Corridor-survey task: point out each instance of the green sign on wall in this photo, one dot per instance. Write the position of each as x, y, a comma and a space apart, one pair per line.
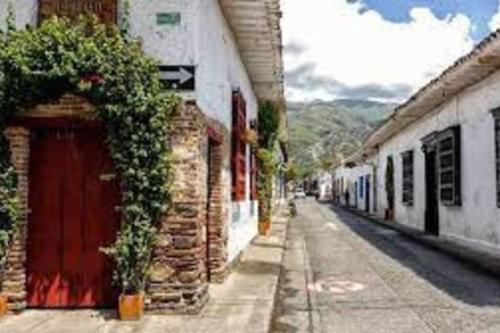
173, 18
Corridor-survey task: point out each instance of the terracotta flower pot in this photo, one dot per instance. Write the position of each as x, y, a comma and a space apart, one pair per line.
131, 307
264, 228
3, 305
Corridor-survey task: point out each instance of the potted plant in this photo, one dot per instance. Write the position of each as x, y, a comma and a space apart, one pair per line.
264, 216
132, 253
3, 305
131, 307
3, 298
264, 228
267, 169
251, 137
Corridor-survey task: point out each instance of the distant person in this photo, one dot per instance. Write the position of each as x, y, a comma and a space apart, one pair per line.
347, 197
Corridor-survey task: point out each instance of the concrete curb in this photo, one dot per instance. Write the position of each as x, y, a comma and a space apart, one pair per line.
478, 259
282, 214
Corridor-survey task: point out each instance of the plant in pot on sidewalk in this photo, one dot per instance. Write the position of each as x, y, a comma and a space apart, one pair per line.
267, 169
132, 254
113, 73
9, 201
9, 215
269, 122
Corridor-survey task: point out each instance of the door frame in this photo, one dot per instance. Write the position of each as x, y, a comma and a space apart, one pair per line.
431, 215
367, 193
54, 122
213, 202
32, 124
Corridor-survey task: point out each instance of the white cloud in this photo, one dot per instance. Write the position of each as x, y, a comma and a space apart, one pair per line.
359, 50
495, 20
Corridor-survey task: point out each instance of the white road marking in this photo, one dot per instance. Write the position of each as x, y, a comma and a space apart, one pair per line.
335, 286
331, 226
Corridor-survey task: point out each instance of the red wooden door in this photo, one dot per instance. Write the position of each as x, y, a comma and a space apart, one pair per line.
73, 197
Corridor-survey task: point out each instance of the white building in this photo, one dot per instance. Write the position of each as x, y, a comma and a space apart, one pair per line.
234, 50
353, 184
324, 185
444, 144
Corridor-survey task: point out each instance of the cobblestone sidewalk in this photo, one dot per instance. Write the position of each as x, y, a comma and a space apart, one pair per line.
244, 303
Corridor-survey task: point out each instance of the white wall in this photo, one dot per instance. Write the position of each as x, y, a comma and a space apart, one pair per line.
477, 221
202, 39
325, 185
352, 176
26, 12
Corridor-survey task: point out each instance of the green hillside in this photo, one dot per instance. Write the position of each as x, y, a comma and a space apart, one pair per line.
320, 129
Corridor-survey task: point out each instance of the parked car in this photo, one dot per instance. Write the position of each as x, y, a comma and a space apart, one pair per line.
299, 194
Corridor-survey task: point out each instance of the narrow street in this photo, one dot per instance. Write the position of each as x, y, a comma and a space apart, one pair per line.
343, 273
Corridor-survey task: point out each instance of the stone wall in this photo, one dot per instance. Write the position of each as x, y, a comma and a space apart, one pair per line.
192, 241
14, 281
218, 207
178, 281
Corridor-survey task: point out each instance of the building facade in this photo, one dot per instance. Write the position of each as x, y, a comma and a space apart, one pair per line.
443, 145
324, 186
228, 53
354, 185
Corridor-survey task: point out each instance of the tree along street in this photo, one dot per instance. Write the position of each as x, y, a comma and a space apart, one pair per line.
342, 273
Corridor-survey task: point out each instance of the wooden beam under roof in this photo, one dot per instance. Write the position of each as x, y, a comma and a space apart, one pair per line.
256, 28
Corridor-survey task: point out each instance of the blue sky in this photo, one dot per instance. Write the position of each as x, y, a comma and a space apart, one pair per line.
479, 12
377, 49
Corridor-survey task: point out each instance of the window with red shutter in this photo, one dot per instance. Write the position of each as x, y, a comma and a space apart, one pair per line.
253, 166
239, 146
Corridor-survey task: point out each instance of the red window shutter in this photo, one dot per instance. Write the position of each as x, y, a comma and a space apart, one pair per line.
238, 156
253, 176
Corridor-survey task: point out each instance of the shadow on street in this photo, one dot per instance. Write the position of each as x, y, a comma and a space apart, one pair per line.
449, 274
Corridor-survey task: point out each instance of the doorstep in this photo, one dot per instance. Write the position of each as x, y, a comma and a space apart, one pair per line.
483, 260
243, 303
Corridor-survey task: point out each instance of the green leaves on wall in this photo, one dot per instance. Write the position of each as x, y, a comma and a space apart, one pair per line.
38, 65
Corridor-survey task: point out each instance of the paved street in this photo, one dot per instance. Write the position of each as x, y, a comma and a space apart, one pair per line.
343, 273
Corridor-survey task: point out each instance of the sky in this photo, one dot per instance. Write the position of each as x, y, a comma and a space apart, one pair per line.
380, 50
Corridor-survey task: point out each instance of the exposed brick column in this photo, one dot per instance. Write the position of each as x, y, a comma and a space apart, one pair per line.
219, 201
14, 284
178, 282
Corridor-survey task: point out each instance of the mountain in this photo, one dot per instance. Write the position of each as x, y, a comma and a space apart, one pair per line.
319, 129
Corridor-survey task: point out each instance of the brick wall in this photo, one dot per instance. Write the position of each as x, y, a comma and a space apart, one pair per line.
218, 205
178, 281
15, 274
187, 249
14, 279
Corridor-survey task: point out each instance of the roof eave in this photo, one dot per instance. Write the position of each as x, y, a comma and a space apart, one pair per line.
257, 30
470, 69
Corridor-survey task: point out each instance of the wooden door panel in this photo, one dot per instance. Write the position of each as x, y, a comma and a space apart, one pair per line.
43, 248
100, 221
72, 217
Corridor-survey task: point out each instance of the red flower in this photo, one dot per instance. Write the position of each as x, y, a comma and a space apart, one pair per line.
93, 79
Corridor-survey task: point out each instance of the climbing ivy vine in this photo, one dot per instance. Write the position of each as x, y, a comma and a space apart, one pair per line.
39, 65
269, 122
